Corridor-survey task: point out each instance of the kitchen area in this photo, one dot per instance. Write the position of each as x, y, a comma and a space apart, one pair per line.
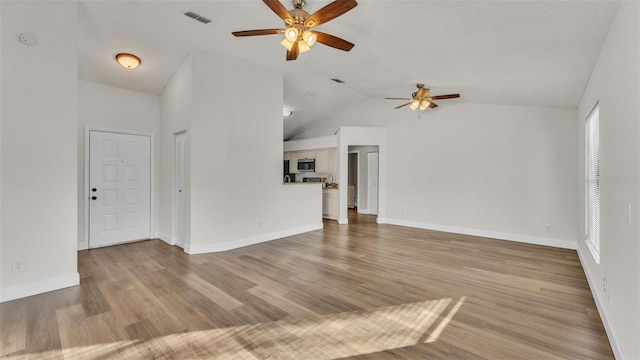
316, 166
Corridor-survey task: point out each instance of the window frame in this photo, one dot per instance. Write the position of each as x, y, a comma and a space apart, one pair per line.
593, 180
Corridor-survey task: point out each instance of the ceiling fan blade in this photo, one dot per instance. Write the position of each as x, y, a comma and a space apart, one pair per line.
403, 105
433, 105
329, 12
449, 96
396, 99
333, 41
279, 9
258, 32
423, 92
293, 53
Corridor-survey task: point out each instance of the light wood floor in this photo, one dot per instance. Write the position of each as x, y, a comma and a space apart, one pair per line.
363, 291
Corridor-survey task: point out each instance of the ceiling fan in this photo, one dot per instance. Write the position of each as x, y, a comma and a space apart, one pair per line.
298, 36
422, 99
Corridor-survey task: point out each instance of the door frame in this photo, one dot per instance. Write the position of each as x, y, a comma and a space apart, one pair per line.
175, 194
86, 193
358, 175
377, 162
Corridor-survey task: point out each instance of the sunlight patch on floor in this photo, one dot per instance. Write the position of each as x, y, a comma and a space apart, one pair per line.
435, 334
320, 337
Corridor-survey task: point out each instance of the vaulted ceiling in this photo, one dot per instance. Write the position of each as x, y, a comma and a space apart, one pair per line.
537, 53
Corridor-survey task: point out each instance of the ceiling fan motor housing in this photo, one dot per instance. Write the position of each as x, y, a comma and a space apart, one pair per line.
298, 16
299, 4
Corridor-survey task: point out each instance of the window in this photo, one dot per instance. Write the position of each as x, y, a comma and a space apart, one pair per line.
592, 182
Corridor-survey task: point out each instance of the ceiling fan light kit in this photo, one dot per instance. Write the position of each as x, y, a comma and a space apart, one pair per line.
298, 36
421, 99
309, 37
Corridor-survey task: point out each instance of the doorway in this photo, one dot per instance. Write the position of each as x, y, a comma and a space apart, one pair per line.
119, 193
366, 196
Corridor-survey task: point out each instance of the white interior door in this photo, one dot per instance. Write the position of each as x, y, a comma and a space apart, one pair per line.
372, 186
119, 188
180, 235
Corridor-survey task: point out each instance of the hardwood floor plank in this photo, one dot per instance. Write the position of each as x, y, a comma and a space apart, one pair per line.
92, 299
13, 327
71, 325
148, 344
290, 307
362, 291
42, 327
189, 316
218, 296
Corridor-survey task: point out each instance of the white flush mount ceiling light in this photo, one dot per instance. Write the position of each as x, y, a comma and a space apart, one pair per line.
286, 112
129, 61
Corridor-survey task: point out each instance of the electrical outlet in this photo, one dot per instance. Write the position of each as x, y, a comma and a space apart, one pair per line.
549, 227
18, 266
606, 289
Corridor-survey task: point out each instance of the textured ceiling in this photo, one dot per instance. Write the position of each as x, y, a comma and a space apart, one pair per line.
490, 51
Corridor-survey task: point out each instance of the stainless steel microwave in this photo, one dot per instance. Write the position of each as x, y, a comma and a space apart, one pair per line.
306, 165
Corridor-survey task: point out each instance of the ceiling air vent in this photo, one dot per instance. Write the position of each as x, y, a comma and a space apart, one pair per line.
195, 16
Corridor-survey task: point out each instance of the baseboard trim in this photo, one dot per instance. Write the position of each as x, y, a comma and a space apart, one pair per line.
363, 211
230, 245
39, 287
596, 296
166, 238
564, 244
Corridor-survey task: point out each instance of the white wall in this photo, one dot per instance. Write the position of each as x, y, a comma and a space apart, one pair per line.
489, 170
175, 105
226, 134
615, 84
322, 142
110, 108
39, 147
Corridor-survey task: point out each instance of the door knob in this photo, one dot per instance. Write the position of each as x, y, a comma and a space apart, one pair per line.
94, 197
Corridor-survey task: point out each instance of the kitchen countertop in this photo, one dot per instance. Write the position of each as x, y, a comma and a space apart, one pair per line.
300, 183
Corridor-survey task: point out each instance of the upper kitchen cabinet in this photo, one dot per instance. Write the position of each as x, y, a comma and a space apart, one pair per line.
307, 154
293, 161
325, 160
332, 162
322, 161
